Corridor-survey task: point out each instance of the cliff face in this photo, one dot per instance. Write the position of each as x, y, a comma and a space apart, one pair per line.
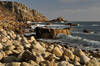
20, 12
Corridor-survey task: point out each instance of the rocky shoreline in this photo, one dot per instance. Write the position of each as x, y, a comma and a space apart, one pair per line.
17, 50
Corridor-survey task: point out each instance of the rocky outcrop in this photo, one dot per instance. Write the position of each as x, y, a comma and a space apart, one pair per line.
19, 12
45, 32
59, 19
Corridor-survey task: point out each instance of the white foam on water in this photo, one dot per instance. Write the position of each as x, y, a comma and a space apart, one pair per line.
79, 40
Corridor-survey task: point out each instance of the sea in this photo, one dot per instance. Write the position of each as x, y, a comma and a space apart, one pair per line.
77, 38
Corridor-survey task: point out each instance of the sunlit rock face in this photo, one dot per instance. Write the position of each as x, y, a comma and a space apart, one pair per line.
19, 12
50, 33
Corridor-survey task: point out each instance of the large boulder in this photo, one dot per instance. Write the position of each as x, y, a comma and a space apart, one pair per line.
43, 32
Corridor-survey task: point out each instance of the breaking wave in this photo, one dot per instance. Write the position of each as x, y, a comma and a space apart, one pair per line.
79, 40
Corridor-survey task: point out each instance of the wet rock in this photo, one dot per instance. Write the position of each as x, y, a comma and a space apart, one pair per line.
57, 51
42, 32
69, 53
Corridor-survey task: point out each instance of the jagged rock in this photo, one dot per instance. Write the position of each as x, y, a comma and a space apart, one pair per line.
57, 51
44, 32
69, 53
59, 19
13, 64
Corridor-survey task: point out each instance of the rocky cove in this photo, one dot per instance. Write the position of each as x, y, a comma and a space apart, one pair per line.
18, 50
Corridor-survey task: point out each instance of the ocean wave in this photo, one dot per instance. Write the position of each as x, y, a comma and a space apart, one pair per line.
79, 40
92, 33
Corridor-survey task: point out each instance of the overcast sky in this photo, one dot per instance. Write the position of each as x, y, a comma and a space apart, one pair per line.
73, 10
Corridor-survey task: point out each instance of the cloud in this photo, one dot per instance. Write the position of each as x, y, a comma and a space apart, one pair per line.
90, 14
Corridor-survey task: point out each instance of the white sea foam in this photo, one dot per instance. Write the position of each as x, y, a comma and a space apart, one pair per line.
79, 40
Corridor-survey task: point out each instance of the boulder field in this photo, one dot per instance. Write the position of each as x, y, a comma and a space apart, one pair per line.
17, 50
